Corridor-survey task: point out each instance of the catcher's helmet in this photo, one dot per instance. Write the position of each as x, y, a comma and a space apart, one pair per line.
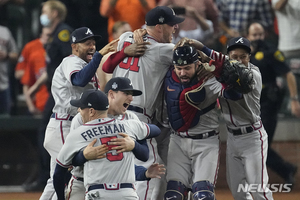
185, 55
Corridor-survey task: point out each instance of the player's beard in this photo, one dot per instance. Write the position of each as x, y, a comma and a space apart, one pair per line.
197, 69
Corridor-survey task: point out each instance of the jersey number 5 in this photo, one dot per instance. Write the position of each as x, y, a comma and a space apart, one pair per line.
111, 156
131, 63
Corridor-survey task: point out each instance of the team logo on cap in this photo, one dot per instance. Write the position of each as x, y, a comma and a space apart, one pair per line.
240, 40
179, 61
73, 38
161, 20
89, 32
89, 104
114, 86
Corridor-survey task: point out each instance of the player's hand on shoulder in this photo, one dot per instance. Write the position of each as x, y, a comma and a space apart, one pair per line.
123, 144
92, 153
136, 49
138, 35
110, 47
155, 170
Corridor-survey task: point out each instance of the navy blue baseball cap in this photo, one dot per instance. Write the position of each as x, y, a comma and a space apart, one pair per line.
83, 33
92, 98
185, 55
162, 15
239, 42
121, 84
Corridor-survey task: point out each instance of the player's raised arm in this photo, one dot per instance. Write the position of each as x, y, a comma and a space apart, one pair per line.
133, 50
109, 47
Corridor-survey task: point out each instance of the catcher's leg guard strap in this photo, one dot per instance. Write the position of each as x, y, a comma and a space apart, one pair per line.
176, 191
203, 190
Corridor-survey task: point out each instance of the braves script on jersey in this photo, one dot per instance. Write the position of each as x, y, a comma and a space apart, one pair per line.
118, 168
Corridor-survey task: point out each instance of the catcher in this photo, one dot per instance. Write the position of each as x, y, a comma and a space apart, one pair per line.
191, 99
247, 140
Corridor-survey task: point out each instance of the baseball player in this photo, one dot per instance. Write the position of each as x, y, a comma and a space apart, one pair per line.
75, 74
120, 93
147, 73
193, 156
247, 141
118, 167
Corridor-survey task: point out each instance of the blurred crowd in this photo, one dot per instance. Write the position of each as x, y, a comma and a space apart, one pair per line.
212, 22
27, 27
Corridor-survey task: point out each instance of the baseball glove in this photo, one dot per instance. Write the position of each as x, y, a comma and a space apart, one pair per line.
237, 76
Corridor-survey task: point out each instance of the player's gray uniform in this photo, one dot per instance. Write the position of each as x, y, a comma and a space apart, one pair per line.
146, 74
109, 172
246, 152
59, 124
192, 160
76, 189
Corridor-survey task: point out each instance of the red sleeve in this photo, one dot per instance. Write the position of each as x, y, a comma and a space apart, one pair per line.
113, 60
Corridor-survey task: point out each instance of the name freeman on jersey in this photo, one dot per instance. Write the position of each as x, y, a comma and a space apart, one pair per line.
103, 130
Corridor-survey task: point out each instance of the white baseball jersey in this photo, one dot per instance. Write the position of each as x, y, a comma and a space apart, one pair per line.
77, 121
76, 189
116, 168
63, 90
146, 72
246, 154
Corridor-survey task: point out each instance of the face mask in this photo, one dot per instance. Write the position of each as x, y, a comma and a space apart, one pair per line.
45, 21
257, 44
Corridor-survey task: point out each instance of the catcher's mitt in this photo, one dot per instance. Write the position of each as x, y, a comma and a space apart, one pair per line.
237, 76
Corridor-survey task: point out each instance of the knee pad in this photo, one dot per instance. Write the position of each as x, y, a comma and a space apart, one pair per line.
176, 191
203, 190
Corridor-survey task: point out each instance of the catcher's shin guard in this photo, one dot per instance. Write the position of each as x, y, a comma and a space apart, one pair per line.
203, 190
176, 191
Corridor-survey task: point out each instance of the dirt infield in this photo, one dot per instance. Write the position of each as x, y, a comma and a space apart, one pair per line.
220, 195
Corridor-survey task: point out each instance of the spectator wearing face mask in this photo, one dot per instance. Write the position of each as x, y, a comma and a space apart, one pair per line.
271, 63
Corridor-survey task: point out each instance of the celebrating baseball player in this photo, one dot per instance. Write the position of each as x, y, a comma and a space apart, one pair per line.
193, 155
75, 74
147, 73
116, 172
247, 141
120, 93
